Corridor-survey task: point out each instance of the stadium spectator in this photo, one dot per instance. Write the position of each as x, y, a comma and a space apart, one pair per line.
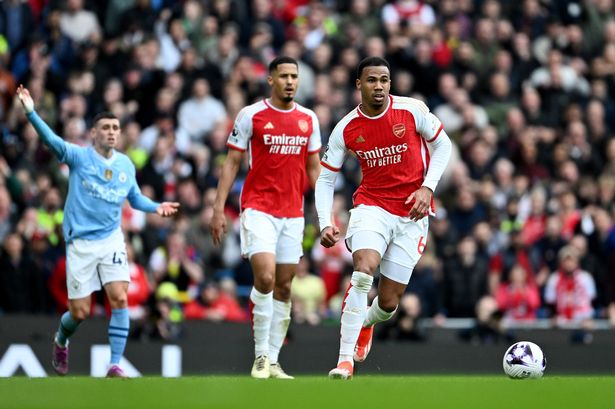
570, 291
22, 283
177, 263
465, 279
487, 327
408, 17
406, 324
78, 23
16, 20
213, 304
7, 88
57, 285
518, 298
198, 115
168, 315
139, 289
426, 285
333, 262
307, 295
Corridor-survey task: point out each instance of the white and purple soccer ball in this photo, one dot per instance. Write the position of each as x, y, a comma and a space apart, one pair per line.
524, 359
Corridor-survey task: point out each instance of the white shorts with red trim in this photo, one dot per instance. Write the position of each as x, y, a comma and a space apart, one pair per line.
90, 264
400, 241
264, 233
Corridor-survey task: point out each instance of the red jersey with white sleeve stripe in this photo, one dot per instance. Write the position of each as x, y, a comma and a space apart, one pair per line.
391, 149
278, 144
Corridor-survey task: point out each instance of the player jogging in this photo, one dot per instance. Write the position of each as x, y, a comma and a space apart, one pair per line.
283, 143
387, 227
100, 180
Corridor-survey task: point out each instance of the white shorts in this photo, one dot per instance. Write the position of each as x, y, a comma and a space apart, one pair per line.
400, 241
263, 233
90, 264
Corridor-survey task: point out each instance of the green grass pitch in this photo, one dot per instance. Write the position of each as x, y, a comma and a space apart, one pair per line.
365, 391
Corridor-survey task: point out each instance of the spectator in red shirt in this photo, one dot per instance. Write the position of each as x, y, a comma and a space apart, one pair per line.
518, 299
571, 290
214, 305
139, 288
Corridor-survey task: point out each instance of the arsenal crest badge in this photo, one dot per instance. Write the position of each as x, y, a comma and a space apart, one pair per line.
399, 130
303, 125
108, 174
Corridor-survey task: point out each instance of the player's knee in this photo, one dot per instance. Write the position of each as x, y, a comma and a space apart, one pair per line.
80, 313
264, 283
118, 300
282, 291
366, 265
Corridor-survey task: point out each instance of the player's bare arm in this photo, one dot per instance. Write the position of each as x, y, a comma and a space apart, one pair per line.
167, 209
422, 201
313, 168
230, 168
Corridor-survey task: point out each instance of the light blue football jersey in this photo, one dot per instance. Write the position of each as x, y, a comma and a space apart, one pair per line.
97, 187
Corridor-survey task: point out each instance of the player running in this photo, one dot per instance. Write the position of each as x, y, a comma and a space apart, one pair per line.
387, 227
100, 180
282, 139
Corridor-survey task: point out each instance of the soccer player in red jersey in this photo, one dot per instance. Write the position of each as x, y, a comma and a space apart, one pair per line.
388, 224
283, 142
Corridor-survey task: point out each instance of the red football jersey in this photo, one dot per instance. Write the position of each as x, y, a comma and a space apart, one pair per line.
391, 149
278, 143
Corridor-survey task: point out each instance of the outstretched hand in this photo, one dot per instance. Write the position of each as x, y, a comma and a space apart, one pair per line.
167, 209
26, 100
422, 201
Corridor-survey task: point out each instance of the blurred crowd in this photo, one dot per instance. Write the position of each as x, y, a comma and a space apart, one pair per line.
524, 227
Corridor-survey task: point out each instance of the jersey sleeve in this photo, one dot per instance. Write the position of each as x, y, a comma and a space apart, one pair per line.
315, 141
65, 152
241, 133
137, 199
335, 152
427, 124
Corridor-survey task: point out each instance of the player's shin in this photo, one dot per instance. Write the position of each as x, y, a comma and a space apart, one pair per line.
119, 326
68, 326
353, 313
262, 313
375, 314
279, 326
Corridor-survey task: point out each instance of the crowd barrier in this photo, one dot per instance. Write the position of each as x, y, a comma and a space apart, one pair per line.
208, 348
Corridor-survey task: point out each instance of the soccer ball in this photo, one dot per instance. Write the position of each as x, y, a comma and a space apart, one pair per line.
524, 359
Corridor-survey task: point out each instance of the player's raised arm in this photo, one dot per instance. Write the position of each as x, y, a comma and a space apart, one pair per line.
55, 143
227, 177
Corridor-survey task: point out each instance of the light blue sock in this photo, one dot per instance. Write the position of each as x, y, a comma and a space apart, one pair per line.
67, 328
118, 333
